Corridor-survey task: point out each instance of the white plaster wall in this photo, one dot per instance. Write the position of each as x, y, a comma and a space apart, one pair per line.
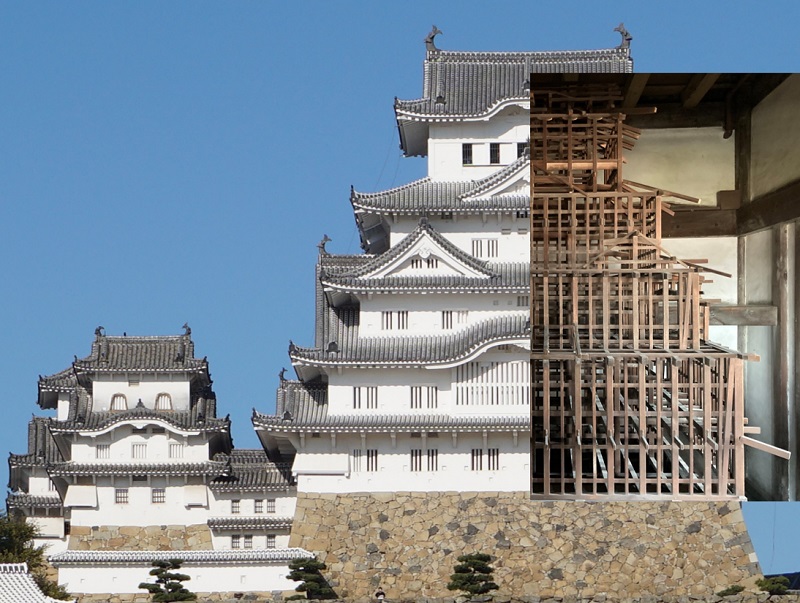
39, 485
220, 504
394, 389
52, 546
121, 439
425, 312
508, 128
394, 462
512, 233
49, 527
139, 511
775, 131
221, 540
204, 578
149, 386
697, 162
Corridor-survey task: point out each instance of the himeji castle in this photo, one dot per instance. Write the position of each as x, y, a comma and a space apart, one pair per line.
419, 378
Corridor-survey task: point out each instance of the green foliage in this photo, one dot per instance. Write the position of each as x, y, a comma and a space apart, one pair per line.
734, 589
307, 571
473, 575
777, 585
16, 546
168, 585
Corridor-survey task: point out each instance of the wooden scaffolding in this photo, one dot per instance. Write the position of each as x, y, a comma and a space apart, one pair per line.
628, 397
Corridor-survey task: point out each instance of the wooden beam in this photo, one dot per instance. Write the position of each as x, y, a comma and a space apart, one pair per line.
774, 450
634, 89
770, 209
743, 316
699, 223
697, 88
710, 114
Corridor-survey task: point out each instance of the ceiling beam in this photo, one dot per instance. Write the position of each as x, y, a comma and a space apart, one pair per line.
769, 209
707, 222
634, 89
675, 116
697, 88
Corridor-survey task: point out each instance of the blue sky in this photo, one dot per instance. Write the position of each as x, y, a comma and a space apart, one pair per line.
165, 162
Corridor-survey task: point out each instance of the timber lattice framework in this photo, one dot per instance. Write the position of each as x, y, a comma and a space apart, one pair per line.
628, 398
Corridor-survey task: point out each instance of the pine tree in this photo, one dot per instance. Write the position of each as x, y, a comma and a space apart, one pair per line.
473, 575
16, 546
307, 571
168, 585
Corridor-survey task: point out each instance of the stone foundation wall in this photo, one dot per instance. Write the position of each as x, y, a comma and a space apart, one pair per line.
408, 544
228, 597
148, 538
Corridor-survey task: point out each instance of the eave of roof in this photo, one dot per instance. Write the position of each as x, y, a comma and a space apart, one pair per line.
250, 523
181, 421
189, 557
173, 468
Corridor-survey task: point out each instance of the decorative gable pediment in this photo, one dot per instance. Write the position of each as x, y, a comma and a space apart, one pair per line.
512, 181
428, 255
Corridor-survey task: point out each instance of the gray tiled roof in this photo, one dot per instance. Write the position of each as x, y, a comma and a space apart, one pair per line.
505, 277
199, 418
416, 350
18, 586
428, 196
470, 83
207, 468
41, 451
191, 557
261, 522
393, 422
21, 500
172, 353
251, 471
303, 401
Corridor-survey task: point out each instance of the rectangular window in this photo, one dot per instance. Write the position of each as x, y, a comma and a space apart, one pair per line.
372, 460
466, 153
365, 396
236, 541
494, 152
158, 495
258, 506
477, 459
103, 451
433, 459
248, 541
523, 301
270, 505
175, 450
447, 319
522, 149
416, 459
394, 320
424, 396
523, 214
121, 496
270, 541
356, 461
493, 459
236, 507
432, 262
484, 248
416, 263
139, 451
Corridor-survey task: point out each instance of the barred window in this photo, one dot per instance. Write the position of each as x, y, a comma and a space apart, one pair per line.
356, 466
493, 459
158, 495
416, 459
394, 320
119, 402
523, 214
121, 496
248, 541
103, 451
433, 459
139, 451
432, 262
484, 248
477, 459
236, 507
424, 396
522, 147
494, 152
270, 541
258, 506
176, 450
372, 460
163, 402
451, 318
236, 541
416, 263
523, 301
270, 505
365, 396
466, 153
